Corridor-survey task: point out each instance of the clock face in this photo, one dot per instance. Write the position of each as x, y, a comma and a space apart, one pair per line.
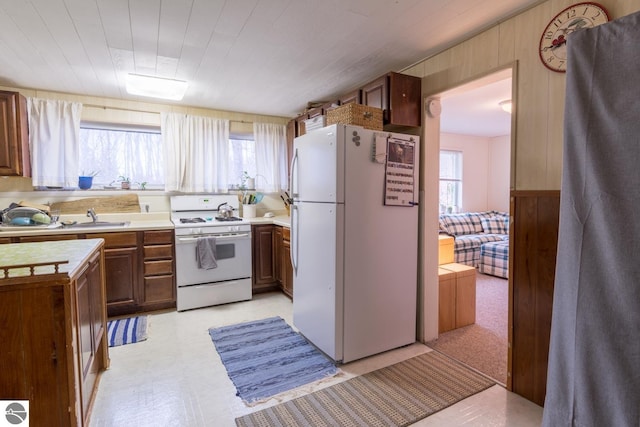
553, 43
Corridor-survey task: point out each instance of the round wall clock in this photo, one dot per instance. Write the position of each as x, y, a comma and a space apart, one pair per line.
553, 43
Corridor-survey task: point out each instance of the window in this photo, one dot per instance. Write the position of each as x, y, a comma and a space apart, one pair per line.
450, 181
242, 157
112, 153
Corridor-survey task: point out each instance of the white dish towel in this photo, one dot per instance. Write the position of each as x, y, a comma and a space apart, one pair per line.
206, 253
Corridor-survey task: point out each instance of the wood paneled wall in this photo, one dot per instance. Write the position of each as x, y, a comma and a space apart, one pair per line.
539, 92
532, 263
536, 167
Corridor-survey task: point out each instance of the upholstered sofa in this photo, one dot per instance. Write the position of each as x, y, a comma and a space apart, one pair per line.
472, 230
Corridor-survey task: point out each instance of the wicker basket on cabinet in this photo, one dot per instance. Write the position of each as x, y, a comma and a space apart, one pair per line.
356, 114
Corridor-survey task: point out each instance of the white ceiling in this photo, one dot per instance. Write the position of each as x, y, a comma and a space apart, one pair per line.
255, 56
474, 109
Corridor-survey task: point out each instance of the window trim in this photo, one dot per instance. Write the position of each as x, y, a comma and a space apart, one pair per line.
459, 157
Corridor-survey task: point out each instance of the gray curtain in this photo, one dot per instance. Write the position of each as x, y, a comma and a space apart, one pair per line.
594, 359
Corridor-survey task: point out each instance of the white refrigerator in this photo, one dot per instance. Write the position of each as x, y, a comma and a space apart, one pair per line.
354, 240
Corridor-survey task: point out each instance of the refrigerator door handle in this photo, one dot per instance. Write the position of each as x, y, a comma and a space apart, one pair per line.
294, 171
293, 254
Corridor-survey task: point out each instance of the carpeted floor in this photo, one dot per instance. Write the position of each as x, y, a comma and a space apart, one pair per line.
397, 395
484, 345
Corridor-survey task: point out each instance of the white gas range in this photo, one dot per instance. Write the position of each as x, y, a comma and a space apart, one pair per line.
198, 221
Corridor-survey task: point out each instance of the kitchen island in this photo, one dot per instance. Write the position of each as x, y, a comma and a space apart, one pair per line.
54, 340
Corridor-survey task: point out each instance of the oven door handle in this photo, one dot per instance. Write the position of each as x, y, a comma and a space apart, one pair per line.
230, 237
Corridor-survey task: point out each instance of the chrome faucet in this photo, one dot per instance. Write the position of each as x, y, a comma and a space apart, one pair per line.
92, 214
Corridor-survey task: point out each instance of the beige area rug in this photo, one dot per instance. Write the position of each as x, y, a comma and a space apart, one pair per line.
397, 395
483, 345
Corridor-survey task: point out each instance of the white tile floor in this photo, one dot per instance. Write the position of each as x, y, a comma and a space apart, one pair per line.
176, 378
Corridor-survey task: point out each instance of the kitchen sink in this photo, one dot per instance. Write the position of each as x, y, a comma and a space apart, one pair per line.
96, 224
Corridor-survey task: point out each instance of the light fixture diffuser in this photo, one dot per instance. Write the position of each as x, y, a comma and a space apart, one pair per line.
506, 106
156, 87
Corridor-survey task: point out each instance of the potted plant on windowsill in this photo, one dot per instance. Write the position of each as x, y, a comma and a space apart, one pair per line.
125, 182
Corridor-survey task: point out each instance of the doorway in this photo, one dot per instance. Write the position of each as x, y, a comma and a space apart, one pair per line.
475, 125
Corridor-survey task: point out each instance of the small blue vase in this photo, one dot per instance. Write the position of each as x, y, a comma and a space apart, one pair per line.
85, 182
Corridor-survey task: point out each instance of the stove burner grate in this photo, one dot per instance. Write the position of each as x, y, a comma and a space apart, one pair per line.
191, 220
228, 218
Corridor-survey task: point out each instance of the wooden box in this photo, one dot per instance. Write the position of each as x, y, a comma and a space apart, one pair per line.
465, 293
446, 300
356, 114
445, 249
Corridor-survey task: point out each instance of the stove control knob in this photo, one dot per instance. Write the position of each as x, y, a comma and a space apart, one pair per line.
234, 228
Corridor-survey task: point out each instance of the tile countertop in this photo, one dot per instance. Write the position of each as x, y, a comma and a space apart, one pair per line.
283, 220
137, 222
74, 251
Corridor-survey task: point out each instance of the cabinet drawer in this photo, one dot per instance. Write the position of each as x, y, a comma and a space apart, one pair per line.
159, 289
25, 239
158, 237
158, 252
286, 233
116, 240
156, 268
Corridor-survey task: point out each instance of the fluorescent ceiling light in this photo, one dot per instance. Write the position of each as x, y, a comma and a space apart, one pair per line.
156, 87
506, 106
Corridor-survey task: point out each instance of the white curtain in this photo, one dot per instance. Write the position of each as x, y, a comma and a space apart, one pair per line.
196, 153
54, 129
271, 157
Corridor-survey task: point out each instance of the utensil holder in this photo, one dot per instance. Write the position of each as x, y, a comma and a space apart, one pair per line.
248, 211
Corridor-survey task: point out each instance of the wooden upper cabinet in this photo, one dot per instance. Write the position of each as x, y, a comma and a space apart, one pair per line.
350, 97
398, 95
376, 94
300, 129
14, 135
405, 93
315, 112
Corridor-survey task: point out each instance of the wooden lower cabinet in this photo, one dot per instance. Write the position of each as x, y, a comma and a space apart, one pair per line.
139, 265
277, 253
91, 325
121, 265
263, 278
159, 290
54, 344
285, 263
271, 259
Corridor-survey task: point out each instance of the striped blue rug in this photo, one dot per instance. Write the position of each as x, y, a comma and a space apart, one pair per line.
266, 357
126, 331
